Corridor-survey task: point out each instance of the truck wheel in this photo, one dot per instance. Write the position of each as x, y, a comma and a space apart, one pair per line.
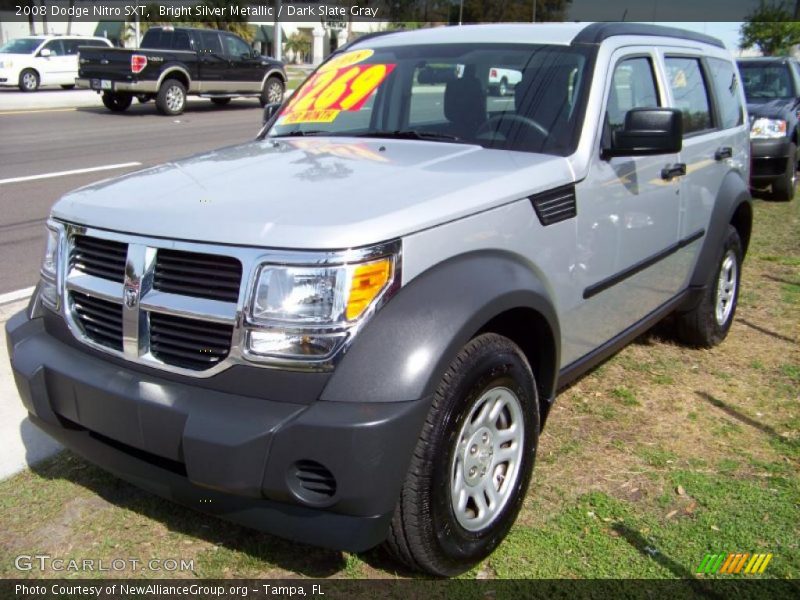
171, 98
783, 188
29, 80
273, 91
220, 101
473, 461
707, 324
117, 102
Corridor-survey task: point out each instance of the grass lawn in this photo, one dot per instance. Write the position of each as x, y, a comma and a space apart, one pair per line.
656, 458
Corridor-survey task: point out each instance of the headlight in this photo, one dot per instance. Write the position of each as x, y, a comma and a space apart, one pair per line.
305, 313
768, 128
50, 266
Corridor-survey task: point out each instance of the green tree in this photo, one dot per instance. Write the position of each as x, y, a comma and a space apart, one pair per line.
299, 44
771, 28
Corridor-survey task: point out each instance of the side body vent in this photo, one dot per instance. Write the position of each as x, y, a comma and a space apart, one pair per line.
555, 205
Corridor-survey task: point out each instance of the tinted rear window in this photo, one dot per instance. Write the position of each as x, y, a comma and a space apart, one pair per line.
766, 80
726, 86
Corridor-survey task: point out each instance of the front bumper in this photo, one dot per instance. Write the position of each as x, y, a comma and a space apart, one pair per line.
232, 455
769, 158
131, 87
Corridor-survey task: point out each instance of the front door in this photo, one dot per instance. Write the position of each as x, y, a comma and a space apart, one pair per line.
628, 218
245, 69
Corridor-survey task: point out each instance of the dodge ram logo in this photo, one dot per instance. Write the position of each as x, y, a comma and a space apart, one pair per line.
130, 294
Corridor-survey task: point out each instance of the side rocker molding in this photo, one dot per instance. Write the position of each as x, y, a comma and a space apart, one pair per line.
403, 352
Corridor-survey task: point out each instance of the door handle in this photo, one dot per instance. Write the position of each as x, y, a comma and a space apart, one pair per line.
676, 170
723, 153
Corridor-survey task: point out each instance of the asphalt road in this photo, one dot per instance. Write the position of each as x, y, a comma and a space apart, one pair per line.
53, 141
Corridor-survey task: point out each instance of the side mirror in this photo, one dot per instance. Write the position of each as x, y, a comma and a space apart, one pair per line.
269, 111
647, 131
44, 52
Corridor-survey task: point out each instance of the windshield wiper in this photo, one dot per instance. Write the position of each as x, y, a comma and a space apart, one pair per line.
301, 133
411, 134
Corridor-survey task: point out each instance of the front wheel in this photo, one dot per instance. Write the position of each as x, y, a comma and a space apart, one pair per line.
708, 323
273, 91
171, 99
472, 463
117, 102
29, 80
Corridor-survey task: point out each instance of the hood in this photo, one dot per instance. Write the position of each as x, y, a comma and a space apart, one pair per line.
770, 107
320, 193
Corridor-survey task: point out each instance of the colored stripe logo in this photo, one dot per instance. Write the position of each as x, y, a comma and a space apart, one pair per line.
734, 563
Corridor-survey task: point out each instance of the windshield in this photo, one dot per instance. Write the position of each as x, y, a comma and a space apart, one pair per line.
21, 46
506, 96
766, 81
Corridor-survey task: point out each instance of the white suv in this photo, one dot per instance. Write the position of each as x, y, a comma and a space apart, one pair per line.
30, 62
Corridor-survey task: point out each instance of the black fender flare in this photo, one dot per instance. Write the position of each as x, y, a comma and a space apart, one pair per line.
732, 205
403, 352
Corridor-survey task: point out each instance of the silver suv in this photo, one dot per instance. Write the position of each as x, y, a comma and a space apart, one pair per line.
351, 330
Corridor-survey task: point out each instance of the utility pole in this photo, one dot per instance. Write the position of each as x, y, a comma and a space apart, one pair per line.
136, 28
276, 33
533, 11
461, 11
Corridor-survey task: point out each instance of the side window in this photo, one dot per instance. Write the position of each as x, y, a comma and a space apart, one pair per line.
71, 46
235, 46
210, 42
181, 41
633, 85
56, 47
726, 88
689, 93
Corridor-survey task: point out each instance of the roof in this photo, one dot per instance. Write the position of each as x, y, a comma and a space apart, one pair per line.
536, 33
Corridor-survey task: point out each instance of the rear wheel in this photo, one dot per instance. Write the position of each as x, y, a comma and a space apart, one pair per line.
708, 323
117, 102
220, 101
784, 188
171, 99
29, 80
473, 461
273, 91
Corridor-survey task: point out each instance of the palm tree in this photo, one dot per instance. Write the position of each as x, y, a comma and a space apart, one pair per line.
299, 44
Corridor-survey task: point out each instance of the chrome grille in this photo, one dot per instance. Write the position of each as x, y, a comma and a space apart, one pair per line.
189, 343
100, 320
99, 257
198, 275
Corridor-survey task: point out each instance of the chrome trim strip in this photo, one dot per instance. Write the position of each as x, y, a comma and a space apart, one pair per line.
190, 307
139, 273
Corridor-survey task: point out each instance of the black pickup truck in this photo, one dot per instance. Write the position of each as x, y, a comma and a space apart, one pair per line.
772, 88
175, 61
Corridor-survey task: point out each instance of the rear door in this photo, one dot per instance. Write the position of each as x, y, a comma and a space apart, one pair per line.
213, 62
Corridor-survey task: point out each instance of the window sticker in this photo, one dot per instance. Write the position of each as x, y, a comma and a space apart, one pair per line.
346, 86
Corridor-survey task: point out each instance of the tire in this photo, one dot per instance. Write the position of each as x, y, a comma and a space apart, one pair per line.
29, 80
171, 98
68, 86
784, 188
117, 102
708, 323
428, 532
273, 91
220, 101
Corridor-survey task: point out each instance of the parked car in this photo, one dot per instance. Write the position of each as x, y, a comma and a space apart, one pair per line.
34, 61
351, 330
174, 62
772, 88
502, 81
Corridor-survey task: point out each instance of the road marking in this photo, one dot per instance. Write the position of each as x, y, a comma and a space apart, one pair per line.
73, 172
38, 110
15, 295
